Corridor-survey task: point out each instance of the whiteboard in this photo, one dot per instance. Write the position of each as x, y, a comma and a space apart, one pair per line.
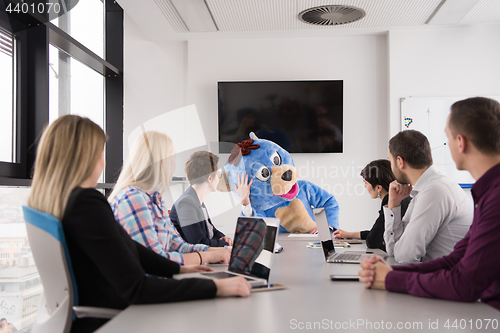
428, 115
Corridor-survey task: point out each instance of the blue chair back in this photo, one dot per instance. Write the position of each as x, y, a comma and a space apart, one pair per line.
48, 245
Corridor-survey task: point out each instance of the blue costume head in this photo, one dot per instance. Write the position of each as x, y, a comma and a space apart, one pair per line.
271, 168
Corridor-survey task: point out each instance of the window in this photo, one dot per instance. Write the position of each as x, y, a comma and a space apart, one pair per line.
7, 97
81, 61
74, 88
83, 52
85, 23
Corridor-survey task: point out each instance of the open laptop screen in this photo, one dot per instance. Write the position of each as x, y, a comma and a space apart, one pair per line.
252, 247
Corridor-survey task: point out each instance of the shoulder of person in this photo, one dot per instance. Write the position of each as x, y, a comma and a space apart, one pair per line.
188, 197
441, 185
86, 194
130, 191
86, 201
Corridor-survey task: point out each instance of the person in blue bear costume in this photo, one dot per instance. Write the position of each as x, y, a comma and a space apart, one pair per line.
275, 190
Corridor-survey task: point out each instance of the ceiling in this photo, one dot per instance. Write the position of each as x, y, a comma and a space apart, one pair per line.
159, 19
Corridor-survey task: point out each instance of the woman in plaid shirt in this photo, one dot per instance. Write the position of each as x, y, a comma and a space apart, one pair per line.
137, 204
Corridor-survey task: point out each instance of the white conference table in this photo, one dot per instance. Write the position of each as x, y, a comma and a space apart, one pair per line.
312, 302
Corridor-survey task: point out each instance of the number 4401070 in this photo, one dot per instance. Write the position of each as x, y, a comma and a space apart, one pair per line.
40, 8
477, 324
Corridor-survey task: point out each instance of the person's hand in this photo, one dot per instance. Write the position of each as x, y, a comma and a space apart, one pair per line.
228, 240
194, 269
397, 192
373, 272
236, 286
339, 233
243, 188
218, 257
314, 230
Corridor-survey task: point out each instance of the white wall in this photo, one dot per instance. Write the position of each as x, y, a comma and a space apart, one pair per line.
459, 61
154, 78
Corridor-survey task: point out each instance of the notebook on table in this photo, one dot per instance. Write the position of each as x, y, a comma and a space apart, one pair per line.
252, 253
325, 237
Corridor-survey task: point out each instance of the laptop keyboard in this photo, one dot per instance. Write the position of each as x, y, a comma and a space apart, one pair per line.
222, 275
345, 256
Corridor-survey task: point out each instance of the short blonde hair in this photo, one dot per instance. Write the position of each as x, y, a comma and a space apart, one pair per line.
67, 155
146, 165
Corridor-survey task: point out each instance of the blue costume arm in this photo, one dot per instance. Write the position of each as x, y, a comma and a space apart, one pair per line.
319, 198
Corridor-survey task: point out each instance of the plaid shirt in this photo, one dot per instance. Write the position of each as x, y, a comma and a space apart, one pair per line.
142, 214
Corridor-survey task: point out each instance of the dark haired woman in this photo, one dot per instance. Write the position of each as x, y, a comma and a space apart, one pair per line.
377, 176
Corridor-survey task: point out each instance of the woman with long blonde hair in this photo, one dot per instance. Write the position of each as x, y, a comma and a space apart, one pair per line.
138, 206
111, 270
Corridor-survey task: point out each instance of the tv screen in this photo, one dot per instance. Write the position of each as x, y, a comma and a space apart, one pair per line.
300, 116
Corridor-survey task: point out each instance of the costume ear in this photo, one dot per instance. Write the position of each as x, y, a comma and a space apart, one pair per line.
223, 185
253, 136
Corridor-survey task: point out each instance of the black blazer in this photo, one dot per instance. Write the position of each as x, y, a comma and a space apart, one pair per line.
188, 218
375, 236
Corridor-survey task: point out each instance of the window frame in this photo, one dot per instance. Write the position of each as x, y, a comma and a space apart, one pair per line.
32, 100
17, 168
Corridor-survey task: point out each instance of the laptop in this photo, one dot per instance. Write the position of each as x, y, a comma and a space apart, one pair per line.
325, 237
252, 253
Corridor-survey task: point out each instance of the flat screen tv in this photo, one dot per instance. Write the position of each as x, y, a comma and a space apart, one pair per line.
300, 116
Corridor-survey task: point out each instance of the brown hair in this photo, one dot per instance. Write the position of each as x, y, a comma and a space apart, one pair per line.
200, 165
478, 119
413, 147
378, 172
66, 156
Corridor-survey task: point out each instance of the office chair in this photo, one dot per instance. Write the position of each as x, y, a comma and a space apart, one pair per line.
59, 303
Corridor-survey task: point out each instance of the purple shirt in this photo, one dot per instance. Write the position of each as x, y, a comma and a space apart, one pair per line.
472, 270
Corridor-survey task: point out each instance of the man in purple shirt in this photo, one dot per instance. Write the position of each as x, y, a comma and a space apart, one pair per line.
472, 270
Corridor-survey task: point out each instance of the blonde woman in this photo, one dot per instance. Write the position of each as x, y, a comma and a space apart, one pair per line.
111, 270
137, 204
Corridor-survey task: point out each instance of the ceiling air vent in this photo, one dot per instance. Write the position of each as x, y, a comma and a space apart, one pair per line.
332, 15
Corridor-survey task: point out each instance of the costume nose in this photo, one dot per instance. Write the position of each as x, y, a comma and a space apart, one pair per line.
287, 175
